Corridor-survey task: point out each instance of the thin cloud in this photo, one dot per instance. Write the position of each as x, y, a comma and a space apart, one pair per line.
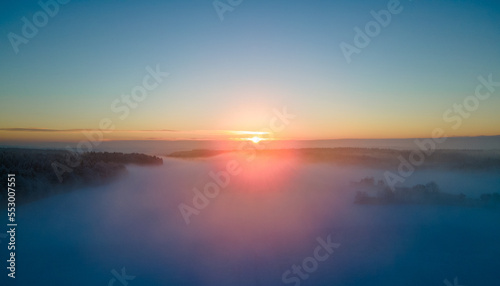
76, 130
179, 134
40, 130
141, 130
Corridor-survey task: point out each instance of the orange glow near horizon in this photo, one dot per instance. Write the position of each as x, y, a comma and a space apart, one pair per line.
76, 135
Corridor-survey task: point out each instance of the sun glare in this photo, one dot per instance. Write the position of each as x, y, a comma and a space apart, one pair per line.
255, 139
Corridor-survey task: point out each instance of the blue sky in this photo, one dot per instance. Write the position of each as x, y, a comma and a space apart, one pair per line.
228, 75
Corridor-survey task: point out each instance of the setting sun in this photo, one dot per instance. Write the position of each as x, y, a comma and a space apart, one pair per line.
255, 139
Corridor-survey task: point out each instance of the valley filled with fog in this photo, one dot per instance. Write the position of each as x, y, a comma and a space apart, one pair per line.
261, 217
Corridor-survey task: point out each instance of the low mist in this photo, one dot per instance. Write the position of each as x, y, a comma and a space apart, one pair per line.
262, 221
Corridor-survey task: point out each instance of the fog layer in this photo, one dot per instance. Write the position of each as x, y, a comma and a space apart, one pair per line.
263, 220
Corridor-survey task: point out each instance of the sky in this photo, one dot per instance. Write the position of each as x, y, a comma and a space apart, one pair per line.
211, 74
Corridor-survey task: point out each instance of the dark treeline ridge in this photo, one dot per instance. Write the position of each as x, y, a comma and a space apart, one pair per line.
389, 159
479, 160
36, 170
372, 191
198, 153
